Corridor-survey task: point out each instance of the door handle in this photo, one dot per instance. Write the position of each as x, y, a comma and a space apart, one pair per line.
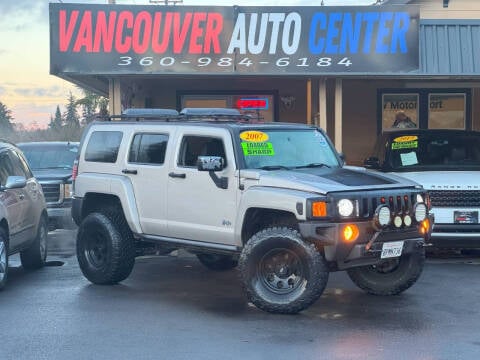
127, 171
174, 175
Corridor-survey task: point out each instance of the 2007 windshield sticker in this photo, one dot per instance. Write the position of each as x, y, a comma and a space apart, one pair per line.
405, 142
254, 136
258, 148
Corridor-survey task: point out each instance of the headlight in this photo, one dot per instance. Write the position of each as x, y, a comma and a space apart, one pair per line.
67, 191
382, 216
420, 212
345, 207
419, 198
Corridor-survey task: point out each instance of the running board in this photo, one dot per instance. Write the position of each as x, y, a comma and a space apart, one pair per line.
192, 244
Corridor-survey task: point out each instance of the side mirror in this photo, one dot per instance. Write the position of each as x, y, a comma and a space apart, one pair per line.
372, 163
210, 163
15, 182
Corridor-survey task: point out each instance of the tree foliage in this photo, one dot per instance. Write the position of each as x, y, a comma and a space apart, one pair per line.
6, 118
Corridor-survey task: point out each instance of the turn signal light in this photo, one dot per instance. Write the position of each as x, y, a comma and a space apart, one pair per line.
424, 226
319, 208
350, 232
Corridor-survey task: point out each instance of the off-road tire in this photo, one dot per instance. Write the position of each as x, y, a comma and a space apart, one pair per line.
3, 258
36, 255
280, 272
105, 247
375, 281
217, 262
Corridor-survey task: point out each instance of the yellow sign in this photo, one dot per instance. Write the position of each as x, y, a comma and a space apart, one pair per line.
254, 136
408, 138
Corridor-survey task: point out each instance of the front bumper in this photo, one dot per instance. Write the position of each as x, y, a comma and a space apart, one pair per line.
343, 255
456, 236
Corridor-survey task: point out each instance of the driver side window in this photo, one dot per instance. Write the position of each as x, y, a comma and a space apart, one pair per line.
195, 146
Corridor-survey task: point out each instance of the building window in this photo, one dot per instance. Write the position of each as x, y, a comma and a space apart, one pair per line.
259, 106
446, 111
399, 111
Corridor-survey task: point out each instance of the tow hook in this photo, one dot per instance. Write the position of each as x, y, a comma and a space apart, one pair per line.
372, 240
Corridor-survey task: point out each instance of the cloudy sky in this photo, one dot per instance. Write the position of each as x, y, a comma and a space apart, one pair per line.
27, 88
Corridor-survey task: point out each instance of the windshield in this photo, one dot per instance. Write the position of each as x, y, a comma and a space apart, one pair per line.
50, 156
272, 149
434, 151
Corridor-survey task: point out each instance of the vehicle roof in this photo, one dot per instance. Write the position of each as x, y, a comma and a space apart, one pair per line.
58, 143
400, 132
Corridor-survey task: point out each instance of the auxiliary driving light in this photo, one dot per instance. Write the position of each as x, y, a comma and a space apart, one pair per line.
382, 216
397, 221
407, 220
420, 211
419, 198
425, 226
345, 207
350, 233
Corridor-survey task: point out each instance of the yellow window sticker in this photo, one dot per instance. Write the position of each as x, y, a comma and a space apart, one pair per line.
258, 149
405, 142
254, 136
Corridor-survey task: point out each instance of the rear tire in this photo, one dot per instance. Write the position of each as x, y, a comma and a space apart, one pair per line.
36, 255
3, 259
105, 248
280, 272
217, 262
390, 277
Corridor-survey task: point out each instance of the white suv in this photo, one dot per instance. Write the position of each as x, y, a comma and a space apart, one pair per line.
23, 213
447, 164
274, 198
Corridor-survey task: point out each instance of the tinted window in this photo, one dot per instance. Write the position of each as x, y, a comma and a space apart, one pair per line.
18, 166
6, 167
195, 146
103, 146
148, 149
50, 156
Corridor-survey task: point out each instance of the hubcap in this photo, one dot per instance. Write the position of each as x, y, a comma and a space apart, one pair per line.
3, 260
96, 250
281, 271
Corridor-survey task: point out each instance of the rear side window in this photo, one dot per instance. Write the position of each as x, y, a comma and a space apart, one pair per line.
103, 146
148, 149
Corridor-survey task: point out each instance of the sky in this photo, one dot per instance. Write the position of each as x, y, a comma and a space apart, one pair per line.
27, 88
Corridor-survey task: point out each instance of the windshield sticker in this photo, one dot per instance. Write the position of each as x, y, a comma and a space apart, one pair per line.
407, 138
409, 158
405, 145
257, 148
254, 136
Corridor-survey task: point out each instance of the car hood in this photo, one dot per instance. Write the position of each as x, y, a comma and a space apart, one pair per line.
52, 174
326, 180
445, 180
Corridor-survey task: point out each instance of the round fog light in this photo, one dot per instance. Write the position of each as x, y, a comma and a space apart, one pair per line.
407, 220
382, 216
397, 221
420, 212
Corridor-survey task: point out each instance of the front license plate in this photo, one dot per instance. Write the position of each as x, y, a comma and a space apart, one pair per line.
392, 249
465, 217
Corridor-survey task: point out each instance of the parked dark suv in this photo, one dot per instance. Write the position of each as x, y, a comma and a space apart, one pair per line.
51, 163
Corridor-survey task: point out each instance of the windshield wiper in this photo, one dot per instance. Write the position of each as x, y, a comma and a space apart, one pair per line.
274, 167
312, 165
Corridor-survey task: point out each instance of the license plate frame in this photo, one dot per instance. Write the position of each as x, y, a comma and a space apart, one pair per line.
392, 249
465, 217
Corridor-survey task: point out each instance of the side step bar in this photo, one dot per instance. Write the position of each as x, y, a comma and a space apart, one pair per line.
192, 244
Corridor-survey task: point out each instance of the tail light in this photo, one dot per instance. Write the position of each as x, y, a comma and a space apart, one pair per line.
75, 170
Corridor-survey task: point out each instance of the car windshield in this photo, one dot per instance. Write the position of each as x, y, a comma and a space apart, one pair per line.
272, 149
50, 156
434, 151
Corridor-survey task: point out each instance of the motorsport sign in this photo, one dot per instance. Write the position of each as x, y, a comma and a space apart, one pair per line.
130, 39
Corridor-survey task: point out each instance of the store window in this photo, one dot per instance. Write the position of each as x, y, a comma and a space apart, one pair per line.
424, 108
399, 111
259, 106
446, 111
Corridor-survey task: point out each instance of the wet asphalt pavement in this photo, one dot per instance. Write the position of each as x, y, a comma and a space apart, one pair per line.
174, 308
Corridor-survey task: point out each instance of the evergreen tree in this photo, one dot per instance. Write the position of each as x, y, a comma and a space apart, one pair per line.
56, 123
92, 105
71, 118
6, 118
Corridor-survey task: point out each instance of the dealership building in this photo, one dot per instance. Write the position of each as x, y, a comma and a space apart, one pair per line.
349, 70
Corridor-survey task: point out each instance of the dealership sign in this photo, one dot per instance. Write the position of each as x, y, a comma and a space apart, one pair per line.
120, 39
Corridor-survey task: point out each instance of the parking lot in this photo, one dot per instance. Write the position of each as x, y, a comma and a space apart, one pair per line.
172, 307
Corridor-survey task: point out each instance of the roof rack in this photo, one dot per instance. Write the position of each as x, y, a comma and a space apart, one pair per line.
187, 114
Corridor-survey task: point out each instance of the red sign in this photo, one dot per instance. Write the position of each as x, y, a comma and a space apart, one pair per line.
252, 104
